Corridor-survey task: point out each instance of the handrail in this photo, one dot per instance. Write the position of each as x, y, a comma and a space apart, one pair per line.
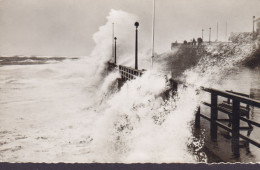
242, 99
240, 94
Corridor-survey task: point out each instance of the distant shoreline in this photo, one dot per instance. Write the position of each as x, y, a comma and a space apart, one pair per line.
32, 60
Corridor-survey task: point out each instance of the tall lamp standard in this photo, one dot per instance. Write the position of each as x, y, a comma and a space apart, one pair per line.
136, 45
153, 27
253, 26
113, 36
115, 49
202, 34
226, 32
217, 31
209, 34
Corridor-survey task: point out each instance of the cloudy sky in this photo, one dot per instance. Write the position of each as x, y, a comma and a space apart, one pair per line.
65, 27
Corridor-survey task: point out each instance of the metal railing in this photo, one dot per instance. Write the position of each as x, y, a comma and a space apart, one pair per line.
128, 73
236, 114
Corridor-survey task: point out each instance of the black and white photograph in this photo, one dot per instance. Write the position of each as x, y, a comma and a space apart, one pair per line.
130, 81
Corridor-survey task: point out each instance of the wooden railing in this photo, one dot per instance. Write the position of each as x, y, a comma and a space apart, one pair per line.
235, 112
232, 107
128, 73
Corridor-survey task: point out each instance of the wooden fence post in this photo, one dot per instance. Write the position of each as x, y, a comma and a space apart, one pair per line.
197, 118
214, 117
235, 127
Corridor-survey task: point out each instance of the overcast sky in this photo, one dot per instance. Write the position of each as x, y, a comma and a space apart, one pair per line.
65, 27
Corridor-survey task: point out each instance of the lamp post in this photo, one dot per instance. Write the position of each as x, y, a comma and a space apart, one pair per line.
115, 49
253, 26
136, 45
209, 34
202, 34
217, 31
113, 39
153, 27
226, 32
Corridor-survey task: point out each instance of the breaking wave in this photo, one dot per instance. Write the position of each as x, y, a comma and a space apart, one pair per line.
74, 112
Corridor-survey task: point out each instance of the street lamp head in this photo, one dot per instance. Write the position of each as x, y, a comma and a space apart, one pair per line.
254, 17
136, 24
115, 38
202, 29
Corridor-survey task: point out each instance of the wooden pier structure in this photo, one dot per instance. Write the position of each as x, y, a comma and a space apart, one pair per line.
235, 114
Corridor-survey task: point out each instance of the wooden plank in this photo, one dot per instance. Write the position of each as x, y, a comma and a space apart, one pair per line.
214, 117
235, 127
257, 144
197, 118
205, 117
234, 96
224, 120
241, 118
228, 108
250, 121
241, 94
224, 126
245, 128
